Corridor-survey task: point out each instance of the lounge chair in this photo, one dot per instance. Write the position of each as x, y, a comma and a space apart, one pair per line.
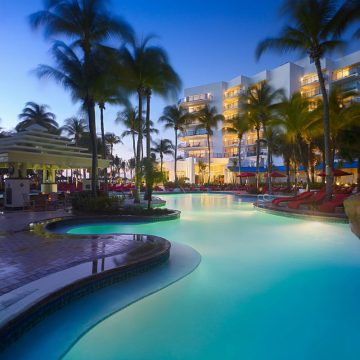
301, 196
315, 199
331, 205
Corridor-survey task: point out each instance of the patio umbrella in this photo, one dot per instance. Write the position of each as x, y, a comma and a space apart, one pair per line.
275, 174
336, 173
245, 174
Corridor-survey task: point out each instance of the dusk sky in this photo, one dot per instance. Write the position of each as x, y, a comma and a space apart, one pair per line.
207, 41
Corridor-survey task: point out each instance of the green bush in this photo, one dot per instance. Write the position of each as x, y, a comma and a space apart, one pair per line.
84, 202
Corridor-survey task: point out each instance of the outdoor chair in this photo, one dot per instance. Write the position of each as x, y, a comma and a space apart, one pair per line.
313, 200
301, 196
331, 205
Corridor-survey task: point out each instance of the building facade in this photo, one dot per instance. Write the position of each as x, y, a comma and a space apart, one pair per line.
300, 76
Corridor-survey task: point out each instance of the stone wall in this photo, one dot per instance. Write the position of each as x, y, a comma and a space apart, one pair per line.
352, 209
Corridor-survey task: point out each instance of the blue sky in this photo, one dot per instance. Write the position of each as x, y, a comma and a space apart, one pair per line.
207, 41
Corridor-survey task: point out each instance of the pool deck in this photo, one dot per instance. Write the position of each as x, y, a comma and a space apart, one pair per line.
25, 257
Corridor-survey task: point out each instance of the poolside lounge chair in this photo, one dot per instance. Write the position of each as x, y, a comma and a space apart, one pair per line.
315, 199
331, 205
301, 196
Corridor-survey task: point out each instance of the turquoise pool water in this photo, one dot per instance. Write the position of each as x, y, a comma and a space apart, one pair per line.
268, 287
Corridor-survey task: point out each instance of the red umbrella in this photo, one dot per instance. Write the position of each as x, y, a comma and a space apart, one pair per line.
276, 174
245, 174
336, 172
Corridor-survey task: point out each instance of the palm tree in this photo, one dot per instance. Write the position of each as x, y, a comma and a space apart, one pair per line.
238, 125
311, 32
146, 69
175, 118
111, 139
131, 163
297, 124
34, 113
75, 128
208, 119
163, 147
202, 168
89, 24
129, 118
258, 105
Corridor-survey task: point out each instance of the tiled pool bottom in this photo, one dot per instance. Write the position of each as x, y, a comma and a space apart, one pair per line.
268, 287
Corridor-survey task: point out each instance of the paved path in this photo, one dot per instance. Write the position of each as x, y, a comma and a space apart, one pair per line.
25, 257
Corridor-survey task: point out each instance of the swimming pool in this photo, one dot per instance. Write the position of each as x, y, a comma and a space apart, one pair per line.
268, 287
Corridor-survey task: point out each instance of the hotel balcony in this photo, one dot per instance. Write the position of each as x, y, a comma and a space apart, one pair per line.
192, 133
194, 146
311, 93
232, 107
308, 81
345, 75
196, 99
234, 94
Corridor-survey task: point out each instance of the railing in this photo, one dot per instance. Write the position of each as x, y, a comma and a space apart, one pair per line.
340, 75
310, 80
196, 98
193, 132
314, 92
232, 106
194, 145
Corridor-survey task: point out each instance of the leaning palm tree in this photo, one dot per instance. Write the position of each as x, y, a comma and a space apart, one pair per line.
175, 118
311, 32
163, 147
89, 24
238, 125
258, 105
208, 119
34, 113
75, 128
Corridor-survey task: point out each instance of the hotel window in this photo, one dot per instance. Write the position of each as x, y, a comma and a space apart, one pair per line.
342, 73
309, 79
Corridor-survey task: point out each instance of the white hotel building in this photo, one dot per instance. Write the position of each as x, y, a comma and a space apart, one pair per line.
297, 76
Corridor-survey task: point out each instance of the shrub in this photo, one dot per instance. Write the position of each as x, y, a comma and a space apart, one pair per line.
84, 202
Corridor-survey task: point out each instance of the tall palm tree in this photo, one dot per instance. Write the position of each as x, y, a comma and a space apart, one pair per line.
75, 128
311, 32
238, 125
163, 147
111, 139
208, 119
88, 24
175, 118
34, 113
129, 119
297, 124
258, 105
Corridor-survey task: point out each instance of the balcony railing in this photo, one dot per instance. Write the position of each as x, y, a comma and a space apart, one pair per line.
193, 145
192, 133
232, 106
311, 93
343, 75
196, 98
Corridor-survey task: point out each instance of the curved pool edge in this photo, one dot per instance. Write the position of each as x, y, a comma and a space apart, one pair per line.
182, 262
301, 216
24, 307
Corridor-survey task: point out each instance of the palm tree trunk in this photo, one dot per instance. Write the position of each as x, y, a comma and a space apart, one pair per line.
269, 168
287, 164
102, 107
239, 158
175, 154
326, 124
257, 158
209, 156
161, 163
148, 137
358, 175
134, 146
305, 165
90, 106
138, 152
